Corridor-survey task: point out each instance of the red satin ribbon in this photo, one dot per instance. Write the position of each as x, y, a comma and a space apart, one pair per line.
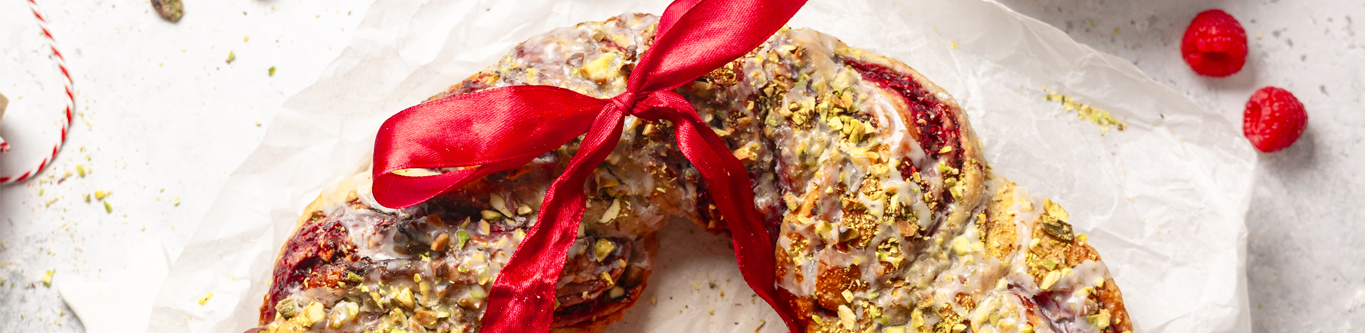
493, 130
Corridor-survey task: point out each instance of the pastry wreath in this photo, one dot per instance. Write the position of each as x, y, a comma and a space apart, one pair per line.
884, 213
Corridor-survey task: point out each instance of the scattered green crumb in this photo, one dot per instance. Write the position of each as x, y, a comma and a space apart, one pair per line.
231, 56
47, 278
272, 70
1085, 112
108, 208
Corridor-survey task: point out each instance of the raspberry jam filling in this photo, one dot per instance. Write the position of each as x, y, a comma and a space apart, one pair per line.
315, 245
934, 121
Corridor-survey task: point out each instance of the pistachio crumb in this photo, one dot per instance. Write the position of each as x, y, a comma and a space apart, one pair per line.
602, 248
490, 215
1050, 279
47, 278
612, 212
847, 318
463, 237
607, 277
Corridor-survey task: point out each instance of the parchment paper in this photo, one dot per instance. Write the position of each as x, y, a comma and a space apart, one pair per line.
1162, 201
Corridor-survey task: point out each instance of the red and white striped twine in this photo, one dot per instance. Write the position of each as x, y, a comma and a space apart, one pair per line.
70, 102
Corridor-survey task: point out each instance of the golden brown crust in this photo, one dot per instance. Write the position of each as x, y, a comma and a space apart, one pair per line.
1054, 252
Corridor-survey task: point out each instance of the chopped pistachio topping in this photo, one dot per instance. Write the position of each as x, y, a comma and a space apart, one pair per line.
607, 277
847, 318
311, 314
463, 237
612, 212
1055, 210
404, 297
1100, 320
602, 69
488, 215
285, 307
1054, 221
499, 204
602, 248
442, 240
477, 292
1049, 263
747, 154
1050, 279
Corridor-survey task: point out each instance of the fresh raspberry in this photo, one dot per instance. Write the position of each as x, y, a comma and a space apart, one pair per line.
1274, 119
1214, 44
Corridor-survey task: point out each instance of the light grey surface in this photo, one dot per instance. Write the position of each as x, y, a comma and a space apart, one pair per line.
1302, 267
1305, 266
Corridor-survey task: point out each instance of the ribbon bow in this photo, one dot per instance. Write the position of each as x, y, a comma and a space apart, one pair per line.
485, 132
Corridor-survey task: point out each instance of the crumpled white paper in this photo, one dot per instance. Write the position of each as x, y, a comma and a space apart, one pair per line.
1163, 201
124, 304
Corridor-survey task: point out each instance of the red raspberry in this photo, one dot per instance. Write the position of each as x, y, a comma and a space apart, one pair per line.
1214, 44
1274, 119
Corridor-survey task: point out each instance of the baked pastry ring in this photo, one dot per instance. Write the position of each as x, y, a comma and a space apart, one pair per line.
885, 216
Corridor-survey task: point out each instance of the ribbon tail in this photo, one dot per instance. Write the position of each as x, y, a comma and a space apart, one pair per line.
731, 190
523, 296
